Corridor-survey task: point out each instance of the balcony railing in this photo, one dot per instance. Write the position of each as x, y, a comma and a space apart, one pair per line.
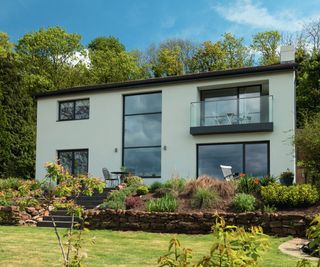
232, 115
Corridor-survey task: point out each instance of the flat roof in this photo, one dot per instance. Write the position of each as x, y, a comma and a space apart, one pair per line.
134, 84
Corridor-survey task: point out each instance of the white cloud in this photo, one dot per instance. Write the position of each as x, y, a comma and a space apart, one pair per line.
168, 22
246, 12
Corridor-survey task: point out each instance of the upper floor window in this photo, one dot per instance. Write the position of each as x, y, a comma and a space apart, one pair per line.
74, 109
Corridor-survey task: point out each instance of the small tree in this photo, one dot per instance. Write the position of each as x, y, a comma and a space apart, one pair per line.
63, 194
307, 142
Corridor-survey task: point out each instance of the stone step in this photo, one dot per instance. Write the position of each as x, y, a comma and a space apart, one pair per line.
59, 224
98, 198
61, 218
59, 212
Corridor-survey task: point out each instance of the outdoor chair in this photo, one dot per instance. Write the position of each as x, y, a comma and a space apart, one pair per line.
228, 175
112, 179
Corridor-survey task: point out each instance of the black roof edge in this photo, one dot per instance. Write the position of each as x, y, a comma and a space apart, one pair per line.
170, 79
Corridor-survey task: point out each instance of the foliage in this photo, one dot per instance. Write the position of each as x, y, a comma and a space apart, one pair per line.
225, 189
115, 200
5, 202
132, 202
307, 141
299, 195
232, 246
154, 186
267, 44
68, 188
248, 184
134, 181
269, 209
266, 180
176, 184
204, 198
244, 202
166, 203
142, 190
10, 183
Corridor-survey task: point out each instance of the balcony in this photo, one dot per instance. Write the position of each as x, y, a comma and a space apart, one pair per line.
234, 115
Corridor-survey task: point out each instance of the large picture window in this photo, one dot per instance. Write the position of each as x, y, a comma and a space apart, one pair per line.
142, 134
249, 158
74, 110
74, 161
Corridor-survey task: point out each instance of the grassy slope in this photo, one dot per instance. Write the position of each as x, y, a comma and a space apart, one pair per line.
28, 246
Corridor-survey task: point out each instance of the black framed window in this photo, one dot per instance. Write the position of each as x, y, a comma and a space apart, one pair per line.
250, 158
75, 161
142, 134
74, 109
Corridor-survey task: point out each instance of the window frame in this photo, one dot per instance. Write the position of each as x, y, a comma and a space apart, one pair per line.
137, 114
267, 142
73, 101
73, 158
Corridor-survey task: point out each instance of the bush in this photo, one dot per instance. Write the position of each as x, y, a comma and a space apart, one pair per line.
248, 184
155, 186
244, 202
289, 196
204, 198
165, 204
226, 189
6, 202
10, 183
134, 181
176, 184
264, 181
116, 198
270, 209
132, 202
142, 190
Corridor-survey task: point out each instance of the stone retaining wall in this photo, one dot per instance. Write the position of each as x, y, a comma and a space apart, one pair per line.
280, 224
12, 215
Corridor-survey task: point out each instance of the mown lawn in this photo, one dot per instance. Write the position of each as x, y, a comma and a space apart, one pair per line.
30, 246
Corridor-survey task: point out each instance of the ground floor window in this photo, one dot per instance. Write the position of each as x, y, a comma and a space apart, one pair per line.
75, 161
250, 158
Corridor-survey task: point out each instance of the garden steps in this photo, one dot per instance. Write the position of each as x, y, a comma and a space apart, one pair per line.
63, 219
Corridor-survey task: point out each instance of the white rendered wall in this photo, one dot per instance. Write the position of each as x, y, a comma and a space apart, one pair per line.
102, 133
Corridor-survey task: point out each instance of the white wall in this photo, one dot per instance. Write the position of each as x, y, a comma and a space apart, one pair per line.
102, 133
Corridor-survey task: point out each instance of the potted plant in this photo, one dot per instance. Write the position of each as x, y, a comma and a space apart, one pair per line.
286, 177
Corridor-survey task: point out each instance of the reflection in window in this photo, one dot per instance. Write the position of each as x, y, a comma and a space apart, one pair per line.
250, 158
142, 134
74, 161
74, 110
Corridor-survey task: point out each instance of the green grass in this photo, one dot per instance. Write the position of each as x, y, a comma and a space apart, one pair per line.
30, 246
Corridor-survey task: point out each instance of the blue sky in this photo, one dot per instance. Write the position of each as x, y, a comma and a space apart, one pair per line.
138, 23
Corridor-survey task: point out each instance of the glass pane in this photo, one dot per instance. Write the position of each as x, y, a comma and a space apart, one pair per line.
82, 109
257, 159
250, 91
249, 105
144, 161
80, 162
66, 111
142, 130
65, 158
210, 157
144, 103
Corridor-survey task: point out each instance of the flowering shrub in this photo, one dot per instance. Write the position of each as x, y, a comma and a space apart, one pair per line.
248, 184
133, 202
134, 181
142, 190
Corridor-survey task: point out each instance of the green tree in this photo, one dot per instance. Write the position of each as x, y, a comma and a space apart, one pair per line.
17, 127
5, 45
49, 57
267, 43
110, 62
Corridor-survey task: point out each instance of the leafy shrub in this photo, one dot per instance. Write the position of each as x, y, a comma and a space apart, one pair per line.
10, 183
244, 202
248, 184
116, 198
176, 184
232, 246
226, 189
165, 204
289, 196
267, 208
6, 202
132, 202
204, 198
264, 181
27, 202
142, 190
134, 181
155, 186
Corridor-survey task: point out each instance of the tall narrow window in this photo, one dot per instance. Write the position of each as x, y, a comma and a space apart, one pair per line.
142, 134
74, 161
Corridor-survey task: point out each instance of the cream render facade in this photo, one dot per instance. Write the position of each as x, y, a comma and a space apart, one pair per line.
102, 133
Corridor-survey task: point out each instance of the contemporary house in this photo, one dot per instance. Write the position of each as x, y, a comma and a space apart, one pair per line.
183, 125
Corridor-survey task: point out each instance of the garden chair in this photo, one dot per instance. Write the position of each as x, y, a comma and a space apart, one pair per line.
112, 179
228, 175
